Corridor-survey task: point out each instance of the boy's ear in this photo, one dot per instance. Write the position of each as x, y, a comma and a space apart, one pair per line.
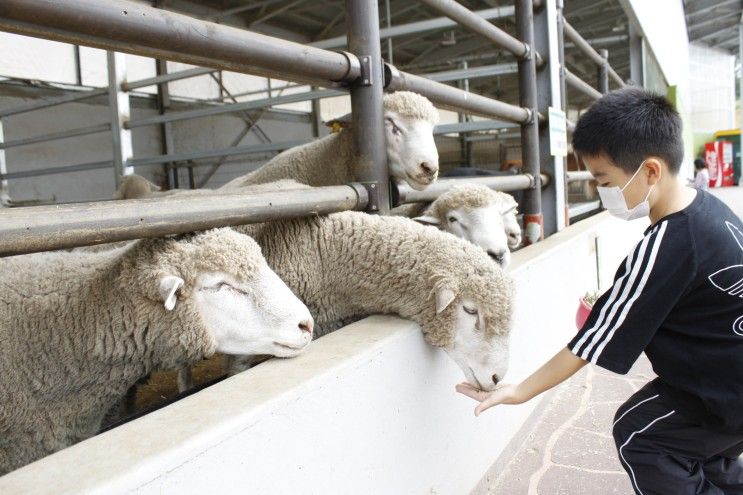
654, 167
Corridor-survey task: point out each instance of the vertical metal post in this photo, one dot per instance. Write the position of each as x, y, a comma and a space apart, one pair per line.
167, 146
118, 101
465, 146
560, 23
532, 208
366, 102
549, 94
635, 56
740, 61
4, 190
603, 72
388, 21
316, 115
78, 66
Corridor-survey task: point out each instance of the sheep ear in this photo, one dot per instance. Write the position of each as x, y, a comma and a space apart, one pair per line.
169, 285
428, 220
444, 298
343, 122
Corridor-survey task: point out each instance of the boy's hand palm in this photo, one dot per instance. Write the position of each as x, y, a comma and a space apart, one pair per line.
503, 394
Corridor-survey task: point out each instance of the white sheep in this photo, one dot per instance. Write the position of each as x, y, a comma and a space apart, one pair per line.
412, 157
349, 265
477, 214
77, 329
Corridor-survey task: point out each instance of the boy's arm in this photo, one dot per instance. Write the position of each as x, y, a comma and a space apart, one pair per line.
562, 366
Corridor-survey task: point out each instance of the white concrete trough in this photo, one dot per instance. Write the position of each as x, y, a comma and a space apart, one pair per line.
368, 409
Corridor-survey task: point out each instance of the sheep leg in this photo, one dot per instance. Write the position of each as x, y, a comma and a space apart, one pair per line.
185, 379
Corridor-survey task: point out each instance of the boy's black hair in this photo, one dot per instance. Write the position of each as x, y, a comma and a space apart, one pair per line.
699, 164
629, 125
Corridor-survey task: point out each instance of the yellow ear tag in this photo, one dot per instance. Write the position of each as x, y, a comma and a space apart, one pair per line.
336, 127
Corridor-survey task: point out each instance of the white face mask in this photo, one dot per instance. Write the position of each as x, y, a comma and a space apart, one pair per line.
613, 200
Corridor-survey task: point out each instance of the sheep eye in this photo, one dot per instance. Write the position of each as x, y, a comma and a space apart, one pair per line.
470, 311
395, 130
452, 219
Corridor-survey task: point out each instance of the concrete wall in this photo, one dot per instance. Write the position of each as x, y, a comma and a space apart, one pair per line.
370, 408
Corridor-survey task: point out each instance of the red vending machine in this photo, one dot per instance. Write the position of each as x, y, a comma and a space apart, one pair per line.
719, 159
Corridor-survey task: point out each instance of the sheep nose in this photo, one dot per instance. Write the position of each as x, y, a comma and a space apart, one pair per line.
496, 379
427, 168
306, 326
497, 256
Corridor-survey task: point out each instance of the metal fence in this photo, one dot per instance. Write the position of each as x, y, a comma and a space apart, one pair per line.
125, 27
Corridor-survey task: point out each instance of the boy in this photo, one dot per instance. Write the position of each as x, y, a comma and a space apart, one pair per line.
677, 297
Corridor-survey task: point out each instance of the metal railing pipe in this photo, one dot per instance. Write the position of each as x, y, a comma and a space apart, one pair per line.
579, 175
453, 98
57, 170
173, 76
52, 101
42, 228
402, 193
137, 28
474, 126
218, 153
418, 27
82, 131
473, 73
470, 20
582, 86
589, 51
233, 107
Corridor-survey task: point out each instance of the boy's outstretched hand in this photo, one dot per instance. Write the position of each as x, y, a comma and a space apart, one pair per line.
503, 394
562, 365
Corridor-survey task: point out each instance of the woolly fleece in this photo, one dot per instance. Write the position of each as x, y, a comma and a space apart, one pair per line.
77, 329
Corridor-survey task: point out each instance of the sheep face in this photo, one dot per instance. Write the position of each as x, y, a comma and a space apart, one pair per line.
512, 228
483, 227
412, 156
257, 316
481, 354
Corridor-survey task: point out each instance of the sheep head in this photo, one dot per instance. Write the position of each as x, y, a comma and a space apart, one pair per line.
469, 317
409, 119
479, 215
219, 284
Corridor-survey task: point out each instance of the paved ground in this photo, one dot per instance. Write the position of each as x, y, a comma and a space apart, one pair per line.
570, 451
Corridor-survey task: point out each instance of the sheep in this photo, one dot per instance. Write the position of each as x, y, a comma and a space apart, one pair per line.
484, 172
77, 329
412, 157
348, 265
477, 214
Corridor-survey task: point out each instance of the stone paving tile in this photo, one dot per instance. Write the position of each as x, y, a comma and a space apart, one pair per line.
586, 449
567, 481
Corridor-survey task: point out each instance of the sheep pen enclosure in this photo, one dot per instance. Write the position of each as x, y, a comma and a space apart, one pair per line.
337, 201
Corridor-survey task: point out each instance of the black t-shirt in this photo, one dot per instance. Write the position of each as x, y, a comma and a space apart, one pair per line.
678, 296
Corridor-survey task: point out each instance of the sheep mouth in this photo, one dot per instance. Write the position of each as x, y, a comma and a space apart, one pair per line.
496, 258
419, 183
288, 347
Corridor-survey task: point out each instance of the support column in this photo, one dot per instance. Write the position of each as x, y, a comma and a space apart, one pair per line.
4, 190
602, 75
549, 91
635, 56
366, 102
119, 104
740, 61
167, 146
532, 207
